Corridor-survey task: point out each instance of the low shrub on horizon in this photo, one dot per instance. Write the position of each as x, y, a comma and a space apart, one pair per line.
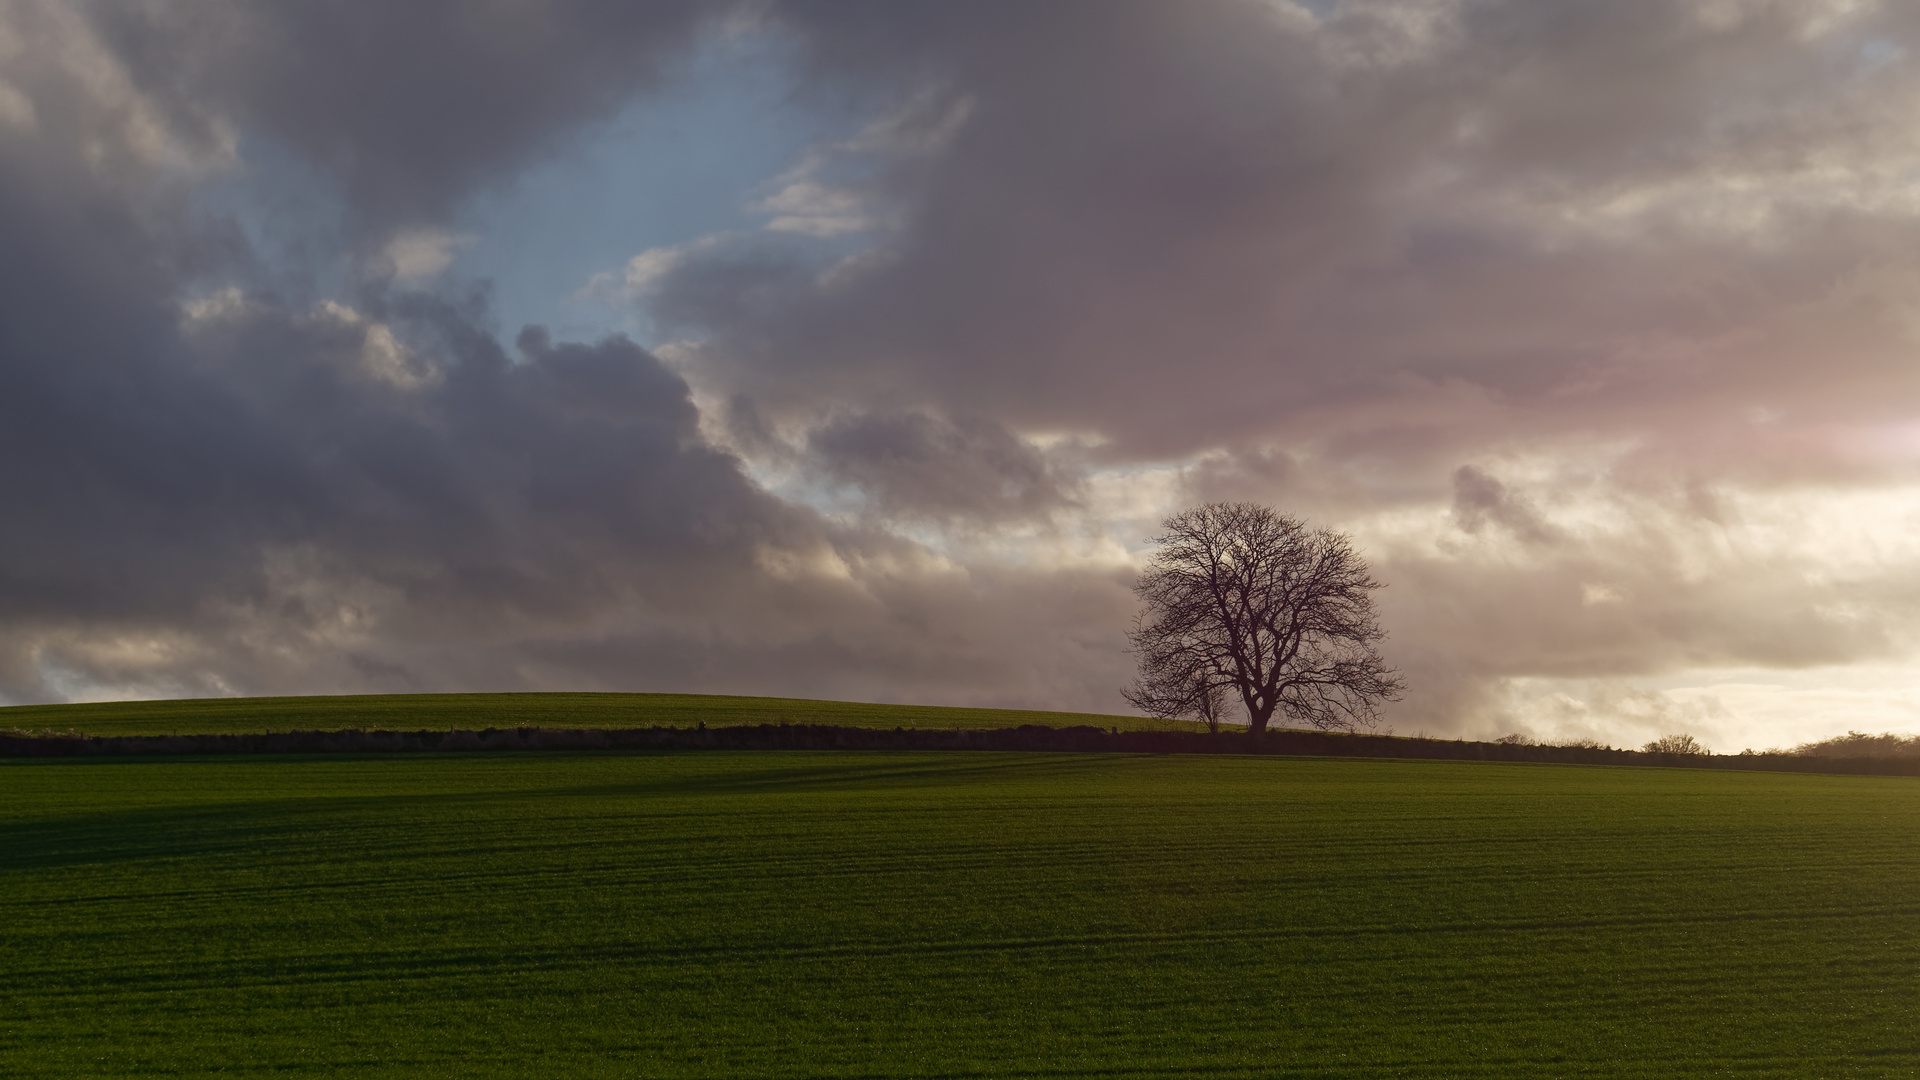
1858, 744
1677, 743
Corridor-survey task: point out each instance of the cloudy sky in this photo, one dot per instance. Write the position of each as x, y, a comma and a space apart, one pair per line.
854, 349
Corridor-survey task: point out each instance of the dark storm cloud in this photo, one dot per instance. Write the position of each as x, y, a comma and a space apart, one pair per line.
407, 105
298, 484
912, 462
1183, 225
242, 492
1480, 500
217, 489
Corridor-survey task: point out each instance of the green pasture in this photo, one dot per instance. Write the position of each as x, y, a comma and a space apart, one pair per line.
951, 915
419, 712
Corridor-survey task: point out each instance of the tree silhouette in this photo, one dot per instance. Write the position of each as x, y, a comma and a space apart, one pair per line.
1674, 744
1243, 601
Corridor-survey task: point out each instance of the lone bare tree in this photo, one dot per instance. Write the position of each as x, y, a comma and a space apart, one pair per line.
1681, 743
1246, 602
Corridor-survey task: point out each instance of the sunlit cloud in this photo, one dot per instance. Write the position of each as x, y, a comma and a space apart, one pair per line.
414, 256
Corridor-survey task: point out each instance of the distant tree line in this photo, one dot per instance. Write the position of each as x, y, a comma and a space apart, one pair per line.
1026, 738
1852, 745
1856, 744
1680, 743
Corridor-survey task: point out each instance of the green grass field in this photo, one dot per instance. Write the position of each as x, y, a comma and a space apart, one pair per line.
951, 915
419, 712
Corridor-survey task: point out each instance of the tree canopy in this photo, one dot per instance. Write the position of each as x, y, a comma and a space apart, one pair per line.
1243, 602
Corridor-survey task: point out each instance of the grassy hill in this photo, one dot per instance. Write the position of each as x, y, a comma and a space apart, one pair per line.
867, 914
415, 712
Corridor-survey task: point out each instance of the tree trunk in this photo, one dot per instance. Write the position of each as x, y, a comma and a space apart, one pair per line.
1257, 717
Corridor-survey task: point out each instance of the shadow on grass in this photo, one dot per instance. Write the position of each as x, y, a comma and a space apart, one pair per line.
213, 822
